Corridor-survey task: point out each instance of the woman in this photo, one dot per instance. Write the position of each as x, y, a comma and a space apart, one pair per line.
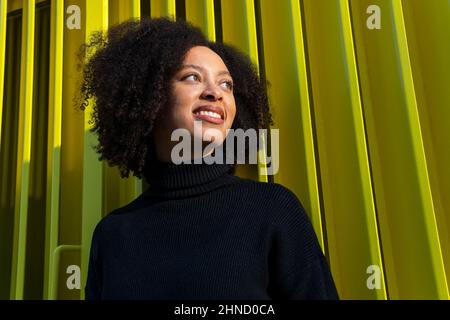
198, 231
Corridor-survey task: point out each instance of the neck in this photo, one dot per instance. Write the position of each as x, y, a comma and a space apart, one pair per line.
170, 180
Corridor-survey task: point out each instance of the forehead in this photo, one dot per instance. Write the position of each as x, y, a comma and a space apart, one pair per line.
204, 57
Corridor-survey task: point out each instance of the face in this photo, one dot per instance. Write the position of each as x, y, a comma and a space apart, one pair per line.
202, 93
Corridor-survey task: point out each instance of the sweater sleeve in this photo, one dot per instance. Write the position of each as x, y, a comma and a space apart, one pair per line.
94, 277
297, 267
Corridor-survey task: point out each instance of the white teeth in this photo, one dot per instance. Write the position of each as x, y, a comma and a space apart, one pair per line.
210, 113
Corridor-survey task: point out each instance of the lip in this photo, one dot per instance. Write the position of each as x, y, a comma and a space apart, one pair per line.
211, 108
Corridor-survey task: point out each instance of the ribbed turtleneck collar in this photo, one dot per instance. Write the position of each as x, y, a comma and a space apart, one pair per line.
169, 180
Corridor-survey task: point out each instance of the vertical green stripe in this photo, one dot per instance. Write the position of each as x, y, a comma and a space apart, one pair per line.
120, 191
427, 28
343, 162
23, 160
239, 26
8, 150
239, 30
54, 140
130, 9
162, 8
72, 147
285, 68
418, 151
92, 168
410, 244
361, 146
3, 11
201, 14
34, 260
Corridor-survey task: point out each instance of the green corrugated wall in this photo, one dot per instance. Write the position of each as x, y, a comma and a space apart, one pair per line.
363, 112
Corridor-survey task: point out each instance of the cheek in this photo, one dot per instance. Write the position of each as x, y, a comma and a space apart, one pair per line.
178, 100
232, 113
181, 106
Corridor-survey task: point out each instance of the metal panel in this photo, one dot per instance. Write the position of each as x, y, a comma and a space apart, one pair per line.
348, 204
14, 5
239, 26
285, 68
24, 150
201, 13
54, 142
239, 29
8, 150
34, 259
71, 134
162, 8
120, 11
96, 19
72, 148
2, 57
427, 25
120, 191
411, 248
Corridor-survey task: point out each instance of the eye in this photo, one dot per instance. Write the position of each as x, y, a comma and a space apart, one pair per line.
228, 85
192, 76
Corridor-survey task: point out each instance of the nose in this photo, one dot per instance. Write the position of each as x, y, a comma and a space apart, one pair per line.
211, 92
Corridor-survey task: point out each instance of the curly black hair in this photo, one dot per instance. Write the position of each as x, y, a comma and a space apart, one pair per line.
128, 76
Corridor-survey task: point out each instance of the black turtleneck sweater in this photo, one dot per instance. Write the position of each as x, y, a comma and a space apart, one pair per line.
199, 232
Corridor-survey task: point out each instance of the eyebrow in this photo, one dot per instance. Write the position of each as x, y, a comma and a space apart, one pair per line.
194, 66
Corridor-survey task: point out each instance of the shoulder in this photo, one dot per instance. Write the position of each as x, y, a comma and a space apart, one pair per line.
290, 225
121, 220
277, 198
114, 221
283, 195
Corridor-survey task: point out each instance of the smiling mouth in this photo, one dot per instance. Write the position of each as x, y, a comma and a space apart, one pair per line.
209, 114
